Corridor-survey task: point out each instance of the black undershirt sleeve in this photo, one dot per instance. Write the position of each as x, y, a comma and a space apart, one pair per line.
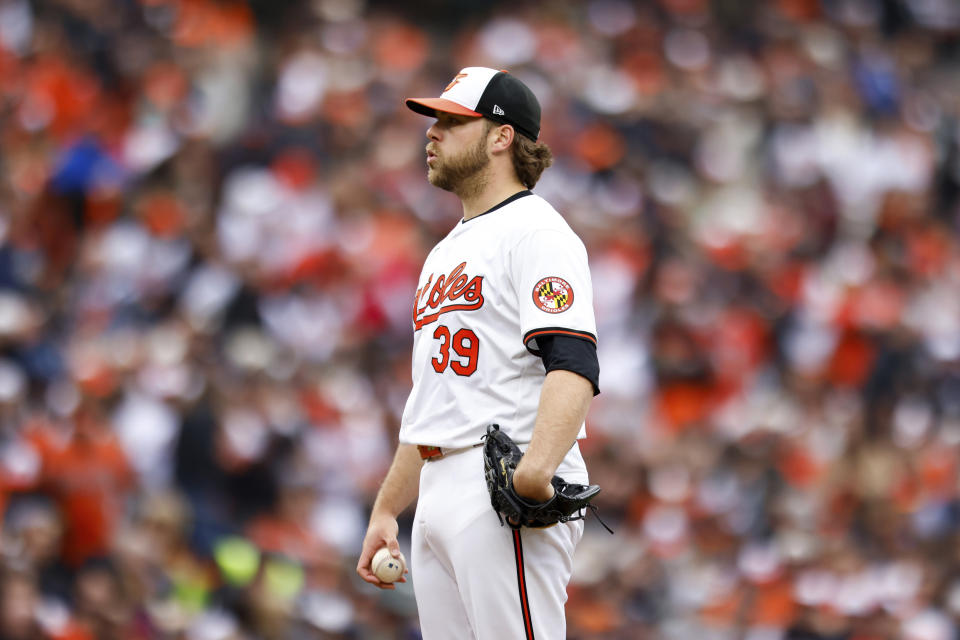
571, 354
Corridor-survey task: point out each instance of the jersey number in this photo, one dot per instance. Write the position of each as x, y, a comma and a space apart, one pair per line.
465, 345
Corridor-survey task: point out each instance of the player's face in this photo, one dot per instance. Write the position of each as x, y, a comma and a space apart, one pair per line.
457, 152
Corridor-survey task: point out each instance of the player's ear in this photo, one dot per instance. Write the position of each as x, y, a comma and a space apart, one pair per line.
502, 137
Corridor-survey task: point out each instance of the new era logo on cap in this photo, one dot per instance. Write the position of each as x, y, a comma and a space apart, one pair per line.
480, 91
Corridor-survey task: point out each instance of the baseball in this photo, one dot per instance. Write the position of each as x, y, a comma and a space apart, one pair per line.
386, 567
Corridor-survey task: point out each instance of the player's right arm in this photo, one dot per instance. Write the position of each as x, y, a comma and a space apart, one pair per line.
398, 490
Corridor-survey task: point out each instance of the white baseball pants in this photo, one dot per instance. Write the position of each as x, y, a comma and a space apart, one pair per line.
477, 580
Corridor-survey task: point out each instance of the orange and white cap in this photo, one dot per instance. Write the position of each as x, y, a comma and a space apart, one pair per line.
480, 91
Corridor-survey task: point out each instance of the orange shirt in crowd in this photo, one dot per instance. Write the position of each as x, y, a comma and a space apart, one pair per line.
88, 474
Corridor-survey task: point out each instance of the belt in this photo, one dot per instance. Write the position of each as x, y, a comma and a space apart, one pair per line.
429, 453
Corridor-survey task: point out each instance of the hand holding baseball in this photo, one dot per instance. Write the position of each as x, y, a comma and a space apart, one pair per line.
381, 537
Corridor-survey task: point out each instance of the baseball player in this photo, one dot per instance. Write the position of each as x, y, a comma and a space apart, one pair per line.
504, 333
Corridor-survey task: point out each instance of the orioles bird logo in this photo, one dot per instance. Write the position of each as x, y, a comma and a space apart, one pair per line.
455, 80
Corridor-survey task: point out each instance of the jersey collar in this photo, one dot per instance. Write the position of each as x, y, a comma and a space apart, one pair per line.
516, 196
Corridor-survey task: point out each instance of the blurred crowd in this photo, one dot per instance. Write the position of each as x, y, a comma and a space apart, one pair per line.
212, 219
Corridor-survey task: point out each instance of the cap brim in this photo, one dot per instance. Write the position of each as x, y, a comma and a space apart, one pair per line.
430, 106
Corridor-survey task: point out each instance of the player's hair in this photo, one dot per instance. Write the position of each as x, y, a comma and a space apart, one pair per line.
529, 159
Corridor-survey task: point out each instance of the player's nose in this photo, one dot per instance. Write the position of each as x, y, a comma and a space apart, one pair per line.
433, 133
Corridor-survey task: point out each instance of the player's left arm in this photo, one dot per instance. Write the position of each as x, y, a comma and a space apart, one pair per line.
555, 301
564, 400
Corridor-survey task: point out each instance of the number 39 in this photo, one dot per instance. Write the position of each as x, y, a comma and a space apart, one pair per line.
465, 345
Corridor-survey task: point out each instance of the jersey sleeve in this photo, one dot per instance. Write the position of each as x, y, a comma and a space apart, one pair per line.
554, 291
571, 354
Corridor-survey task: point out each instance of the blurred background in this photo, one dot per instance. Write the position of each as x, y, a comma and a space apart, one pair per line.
212, 218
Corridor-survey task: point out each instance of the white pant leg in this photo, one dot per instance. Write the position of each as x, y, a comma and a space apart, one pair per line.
442, 616
519, 589
461, 534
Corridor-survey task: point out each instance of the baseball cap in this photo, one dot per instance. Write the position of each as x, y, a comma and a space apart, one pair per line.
479, 91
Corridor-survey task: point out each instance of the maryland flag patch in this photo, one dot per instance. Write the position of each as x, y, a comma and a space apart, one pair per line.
553, 295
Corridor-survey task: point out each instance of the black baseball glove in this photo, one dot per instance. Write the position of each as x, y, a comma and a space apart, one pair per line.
500, 458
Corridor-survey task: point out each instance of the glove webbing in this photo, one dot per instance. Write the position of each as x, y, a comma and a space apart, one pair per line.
581, 516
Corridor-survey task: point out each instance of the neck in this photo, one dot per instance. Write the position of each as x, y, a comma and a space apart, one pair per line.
485, 195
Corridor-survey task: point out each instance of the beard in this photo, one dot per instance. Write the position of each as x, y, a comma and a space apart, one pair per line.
462, 174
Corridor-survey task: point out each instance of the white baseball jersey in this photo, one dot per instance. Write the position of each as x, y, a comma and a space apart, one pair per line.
486, 292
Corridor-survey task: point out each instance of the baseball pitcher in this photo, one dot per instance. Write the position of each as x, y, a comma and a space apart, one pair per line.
504, 369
